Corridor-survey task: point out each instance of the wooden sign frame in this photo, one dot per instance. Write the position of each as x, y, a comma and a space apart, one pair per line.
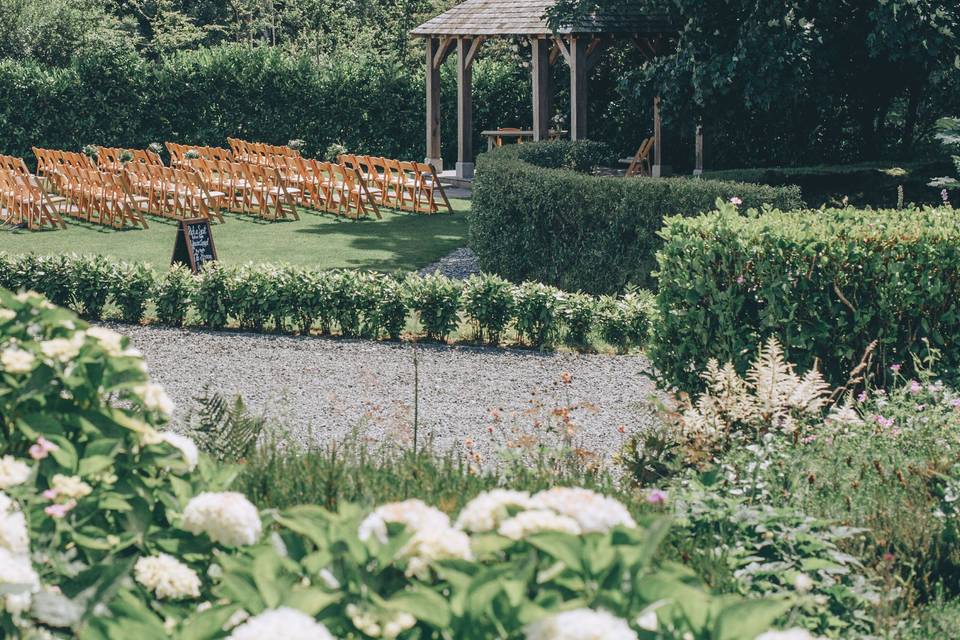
183, 252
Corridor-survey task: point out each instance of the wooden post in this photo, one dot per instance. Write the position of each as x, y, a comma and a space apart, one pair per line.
540, 68
578, 88
698, 168
433, 105
657, 140
464, 110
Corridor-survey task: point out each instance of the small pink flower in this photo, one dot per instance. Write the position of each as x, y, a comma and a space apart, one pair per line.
921, 407
656, 497
60, 510
809, 439
740, 279
862, 397
50, 494
955, 403
886, 423
895, 368
915, 387
735, 201
42, 448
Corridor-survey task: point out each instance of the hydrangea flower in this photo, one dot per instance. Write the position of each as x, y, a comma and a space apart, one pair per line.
12, 472
228, 518
485, 512
789, 634
294, 625
529, 522
17, 361
42, 448
13, 527
432, 544
167, 577
186, 446
154, 398
580, 624
593, 512
414, 514
19, 581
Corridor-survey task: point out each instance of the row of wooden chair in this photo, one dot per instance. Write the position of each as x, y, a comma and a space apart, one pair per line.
408, 186
50, 161
23, 201
115, 160
259, 152
171, 193
179, 157
247, 188
98, 197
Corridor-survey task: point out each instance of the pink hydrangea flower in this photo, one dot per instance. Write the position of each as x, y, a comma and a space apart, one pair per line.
42, 448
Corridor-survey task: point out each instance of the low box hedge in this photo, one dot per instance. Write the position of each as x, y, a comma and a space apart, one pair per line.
584, 232
826, 283
869, 184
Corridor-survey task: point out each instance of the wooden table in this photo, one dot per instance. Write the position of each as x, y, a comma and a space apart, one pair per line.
519, 136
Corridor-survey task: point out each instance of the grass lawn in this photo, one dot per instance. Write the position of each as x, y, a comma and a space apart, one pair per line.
401, 241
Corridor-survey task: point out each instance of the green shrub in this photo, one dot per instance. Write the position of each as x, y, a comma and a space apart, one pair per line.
389, 313
582, 156
579, 313
211, 296
173, 294
537, 313
488, 302
626, 322
348, 300
826, 283
254, 296
436, 300
89, 278
131, 288
585, 233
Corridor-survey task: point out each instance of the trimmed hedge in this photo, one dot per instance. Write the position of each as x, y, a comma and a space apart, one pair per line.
285, 298
582, 232
826, 283
865, 184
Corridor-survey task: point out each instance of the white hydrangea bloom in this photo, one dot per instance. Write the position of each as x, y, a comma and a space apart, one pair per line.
185, 445
228, 518
593, 512
111, 341
17, 361
580, 624
529, 522
19, 581
432, 544
62, 349
13, 527
284, 622
13, 472
415, 515
167, 577
155, 398
70, 486
485, 512
7, 314
789, 634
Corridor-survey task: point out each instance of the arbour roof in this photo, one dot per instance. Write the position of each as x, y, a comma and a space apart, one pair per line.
526, 17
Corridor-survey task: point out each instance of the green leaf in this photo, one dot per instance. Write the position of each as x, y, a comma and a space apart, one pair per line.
748, 618
424, 604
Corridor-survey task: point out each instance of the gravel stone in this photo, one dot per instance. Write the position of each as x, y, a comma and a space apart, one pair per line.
459, 264
320, 390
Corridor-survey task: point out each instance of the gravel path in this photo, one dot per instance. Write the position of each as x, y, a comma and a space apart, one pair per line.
459, 263
324, 390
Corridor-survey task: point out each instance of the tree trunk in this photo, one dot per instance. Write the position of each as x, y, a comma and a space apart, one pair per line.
910, 124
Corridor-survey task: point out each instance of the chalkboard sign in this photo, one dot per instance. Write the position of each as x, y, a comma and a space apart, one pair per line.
194, 246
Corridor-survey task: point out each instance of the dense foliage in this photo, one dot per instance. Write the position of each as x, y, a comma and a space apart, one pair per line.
353, 303
582, 232
827, 283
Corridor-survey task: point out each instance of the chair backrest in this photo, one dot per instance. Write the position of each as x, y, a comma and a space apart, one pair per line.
13, 164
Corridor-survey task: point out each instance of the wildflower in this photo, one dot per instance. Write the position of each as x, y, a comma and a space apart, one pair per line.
12, 472
485, 512
290, 623
945, 196
530, 522
915, 387
862, 397
60, 510
167, 577
895, 368
566, 378
955, 403
580, 624
735, 201
42, 448
228, 518
656, 497
592, 511
17, 361
886, 423
741, 279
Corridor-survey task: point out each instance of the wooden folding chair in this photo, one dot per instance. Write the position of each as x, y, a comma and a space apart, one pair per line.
428, 184
640, 163
24, 202
271, 198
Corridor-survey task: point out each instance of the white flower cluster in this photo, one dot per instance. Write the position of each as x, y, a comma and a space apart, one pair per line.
17, 361
154, 398
62, 349
12, 472
593, 512
187, 447
18, 580
433, 537
485, 512
228, 518
388, 626
534, 521
285, 623
167, 577
580, 624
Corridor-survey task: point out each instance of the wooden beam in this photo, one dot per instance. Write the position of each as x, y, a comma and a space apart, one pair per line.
540, 68
596, 49
563, 48
464, 109
443, 52
646, 47
657, 139
554, 52
698, 165
474, 47
578, 88
434, 46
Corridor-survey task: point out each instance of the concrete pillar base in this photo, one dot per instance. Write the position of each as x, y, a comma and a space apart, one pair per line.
436, 162
465, 170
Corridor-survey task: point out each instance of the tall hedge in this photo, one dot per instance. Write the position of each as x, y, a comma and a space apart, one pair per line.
370, 103
584, 232
827, 283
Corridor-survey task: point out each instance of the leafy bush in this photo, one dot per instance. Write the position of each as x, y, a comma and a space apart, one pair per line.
579, 313
212, 295
436, 300
173, 294
585, 233
254, 295
137, 531
131, 288
389, 313
488, 300
348, 300
826, 283
89, 278
626, 322
537, 307
582, 156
